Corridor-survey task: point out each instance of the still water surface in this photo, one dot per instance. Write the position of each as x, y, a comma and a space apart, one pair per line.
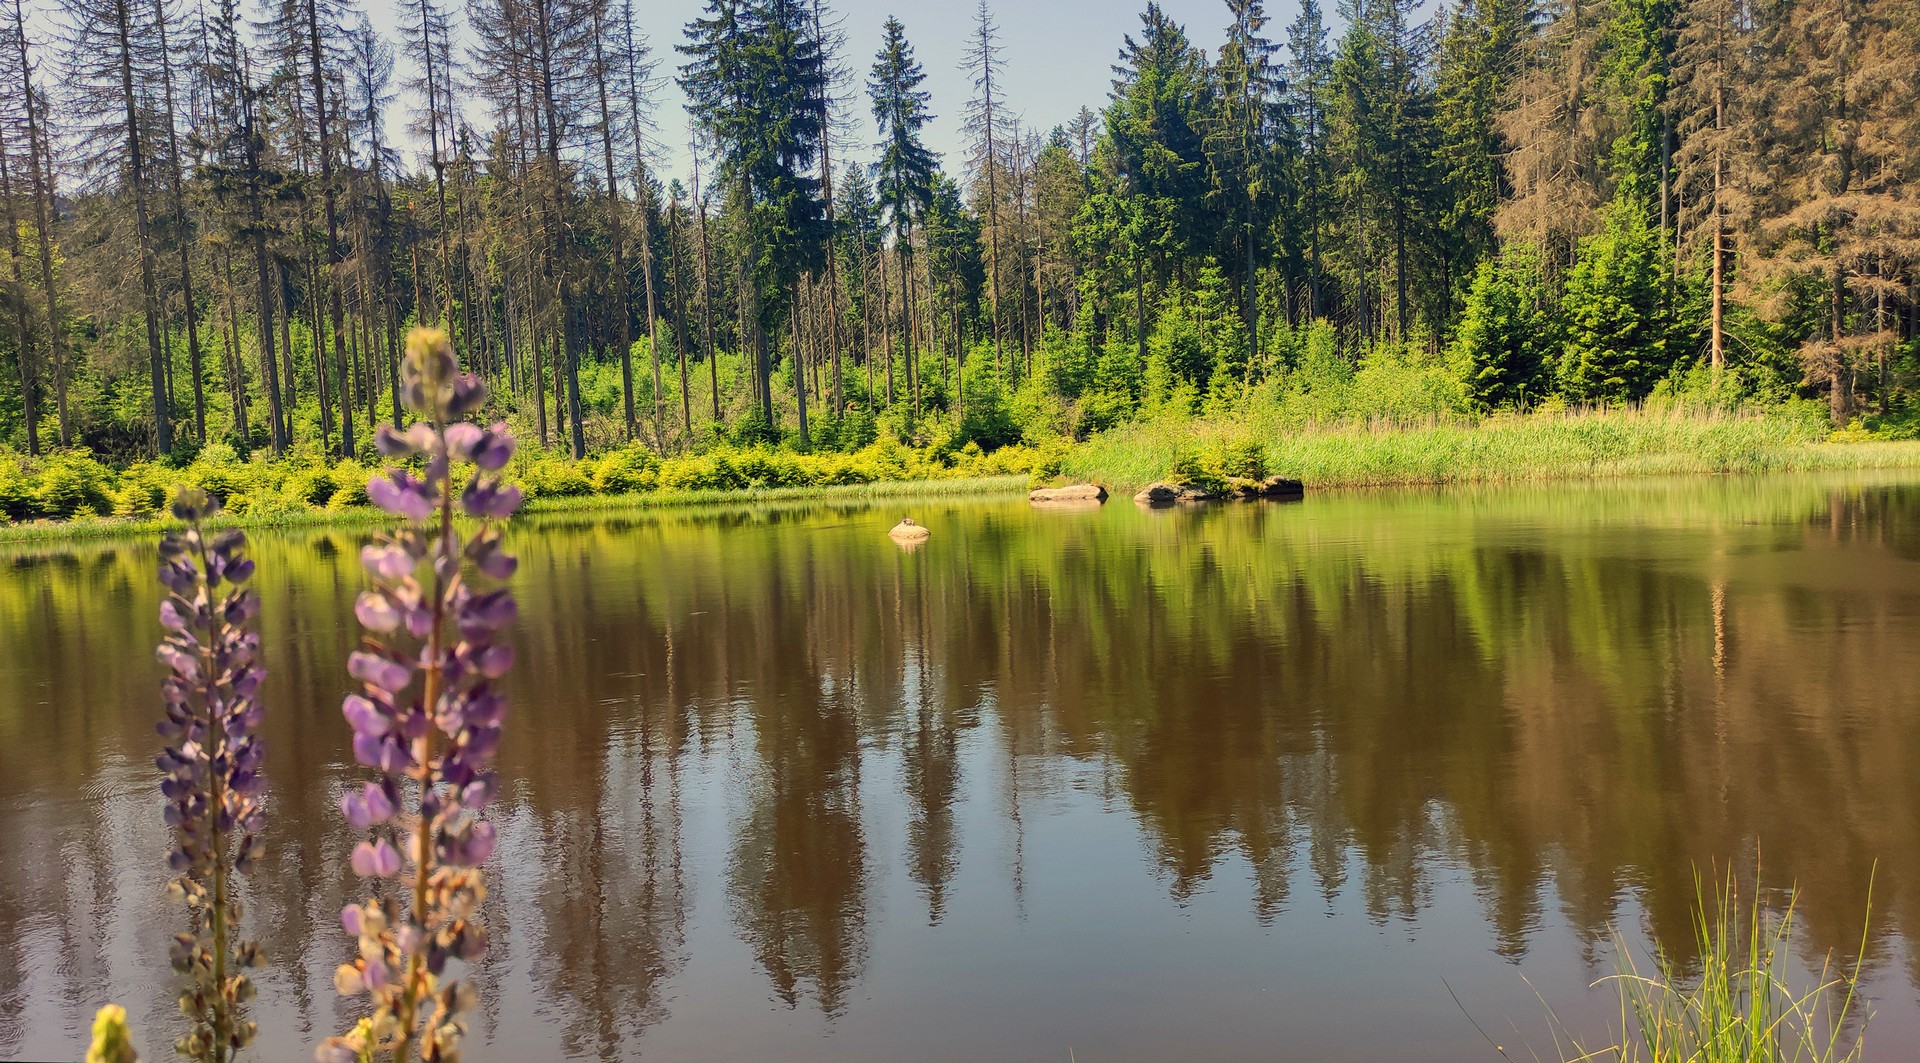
1249, 782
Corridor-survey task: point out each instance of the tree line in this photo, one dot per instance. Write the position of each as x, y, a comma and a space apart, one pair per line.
211, 237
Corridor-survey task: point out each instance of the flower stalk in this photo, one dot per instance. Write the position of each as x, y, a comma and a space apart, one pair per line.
427, 718
211, 768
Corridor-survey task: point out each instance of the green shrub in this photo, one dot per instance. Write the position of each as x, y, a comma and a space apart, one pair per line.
1193, 469
554, 478
141, 495
630, 470
1244, 459
312, 487
857, 429
75, 485
18, 501
224, 482
350, 486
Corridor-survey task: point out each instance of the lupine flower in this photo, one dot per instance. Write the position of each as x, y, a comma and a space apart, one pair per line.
211, 765
426, 718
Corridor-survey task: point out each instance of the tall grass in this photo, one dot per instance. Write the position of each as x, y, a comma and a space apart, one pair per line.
1740, 1006
1542, 446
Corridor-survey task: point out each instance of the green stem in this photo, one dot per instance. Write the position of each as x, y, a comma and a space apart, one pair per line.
423, 839
217, 739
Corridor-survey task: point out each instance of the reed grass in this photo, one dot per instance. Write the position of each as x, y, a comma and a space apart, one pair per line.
1740, 1006
1543, 446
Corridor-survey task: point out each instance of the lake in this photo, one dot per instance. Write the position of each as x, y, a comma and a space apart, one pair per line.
1341, 779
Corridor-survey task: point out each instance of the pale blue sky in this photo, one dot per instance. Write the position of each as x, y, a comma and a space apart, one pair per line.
1057, 55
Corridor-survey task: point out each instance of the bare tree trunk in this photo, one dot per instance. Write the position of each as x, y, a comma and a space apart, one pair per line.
142, 226
833, 268
180, 212
799, 358
23, 328
674, 265
288, 380
706, 291
645, 195
886, 325
438, 161
41, 178
335, 314
621, 296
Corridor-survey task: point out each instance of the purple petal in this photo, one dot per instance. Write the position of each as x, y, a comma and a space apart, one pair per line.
376, 612
483, 707
379, 805
378, 672
391, 443
365, 717
371, 750
494, 661
172, 617
386, 561
468, 395
461, 439
242, 607
484, 613
495, 448
401, 495
480, 841
490, 498
355, 811
479, 793
376, 859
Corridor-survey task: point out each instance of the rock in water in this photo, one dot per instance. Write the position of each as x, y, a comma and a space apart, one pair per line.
1070, 493
909, 532
1281, 487
1157, 494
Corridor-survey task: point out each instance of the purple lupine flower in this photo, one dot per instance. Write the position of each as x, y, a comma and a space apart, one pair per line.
427, 717
210, 768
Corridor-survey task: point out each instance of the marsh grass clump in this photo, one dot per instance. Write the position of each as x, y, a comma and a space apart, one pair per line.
1740, 1006
1547, 445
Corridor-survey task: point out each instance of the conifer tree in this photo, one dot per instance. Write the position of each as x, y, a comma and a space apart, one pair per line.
905, 169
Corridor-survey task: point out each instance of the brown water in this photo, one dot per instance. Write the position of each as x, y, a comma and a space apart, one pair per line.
1248, 782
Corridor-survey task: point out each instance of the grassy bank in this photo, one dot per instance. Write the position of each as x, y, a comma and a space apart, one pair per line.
1546, 446
348, 516
73, 495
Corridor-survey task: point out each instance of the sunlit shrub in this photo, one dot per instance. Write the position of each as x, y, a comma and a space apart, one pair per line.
225, 481
630, 470
141, 495
18, 500
554, 478
75, 485
350, 486
314, 487
1243, 459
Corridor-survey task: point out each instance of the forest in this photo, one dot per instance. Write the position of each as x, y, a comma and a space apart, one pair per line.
213, 238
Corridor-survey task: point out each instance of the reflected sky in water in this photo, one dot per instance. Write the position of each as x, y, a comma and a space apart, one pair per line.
1228, 783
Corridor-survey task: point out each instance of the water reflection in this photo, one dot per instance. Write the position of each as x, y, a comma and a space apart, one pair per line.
774, 777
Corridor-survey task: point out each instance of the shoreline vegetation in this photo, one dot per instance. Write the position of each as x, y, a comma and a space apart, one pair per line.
73, 495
